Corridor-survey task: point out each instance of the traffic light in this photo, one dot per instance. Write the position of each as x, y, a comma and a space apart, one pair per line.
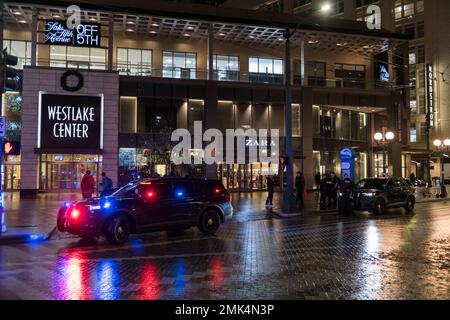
11, 148
10, 78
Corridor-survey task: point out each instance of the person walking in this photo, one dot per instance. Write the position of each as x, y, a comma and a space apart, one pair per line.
300, 186
328, 190
106, 184
87, 185
270, 191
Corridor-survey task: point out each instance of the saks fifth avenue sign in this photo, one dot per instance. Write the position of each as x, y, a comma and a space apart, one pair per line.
70, 121
84, 35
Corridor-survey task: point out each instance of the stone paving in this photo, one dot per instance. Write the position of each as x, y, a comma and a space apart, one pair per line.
255, 256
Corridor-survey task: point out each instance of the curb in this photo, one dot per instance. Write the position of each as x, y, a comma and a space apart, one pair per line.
8, 239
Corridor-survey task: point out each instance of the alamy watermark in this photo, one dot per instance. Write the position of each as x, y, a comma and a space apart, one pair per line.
241, 146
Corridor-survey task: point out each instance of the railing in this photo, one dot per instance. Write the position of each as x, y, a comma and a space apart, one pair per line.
146, 70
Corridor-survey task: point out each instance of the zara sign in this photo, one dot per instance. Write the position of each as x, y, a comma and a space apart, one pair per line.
85, 35
70, 122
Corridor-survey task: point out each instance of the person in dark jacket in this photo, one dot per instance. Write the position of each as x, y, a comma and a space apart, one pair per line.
346, 189
106, 184
270, 190
300, 186
323, 194
334, 189
328, 190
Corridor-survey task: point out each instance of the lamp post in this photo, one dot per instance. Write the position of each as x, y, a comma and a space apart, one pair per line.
384, 138
443, 147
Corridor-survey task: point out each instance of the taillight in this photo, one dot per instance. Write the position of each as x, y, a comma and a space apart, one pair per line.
229, 197
75, 213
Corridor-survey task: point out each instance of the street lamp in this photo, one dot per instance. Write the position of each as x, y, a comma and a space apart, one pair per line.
326, 7
384, 138
443, 147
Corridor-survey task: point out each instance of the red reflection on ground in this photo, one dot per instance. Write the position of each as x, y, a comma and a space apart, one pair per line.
217, 271
73, 276
149, 286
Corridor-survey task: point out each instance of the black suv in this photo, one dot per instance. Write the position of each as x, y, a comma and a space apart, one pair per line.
378, 194
149, 205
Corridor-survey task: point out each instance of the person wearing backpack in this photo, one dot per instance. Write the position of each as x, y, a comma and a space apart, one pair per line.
107, 185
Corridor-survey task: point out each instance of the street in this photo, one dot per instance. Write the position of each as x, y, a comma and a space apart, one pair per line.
255, 256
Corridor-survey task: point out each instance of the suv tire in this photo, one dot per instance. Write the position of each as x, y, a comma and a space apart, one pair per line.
380, 207
118, 230
209, 222
410, 203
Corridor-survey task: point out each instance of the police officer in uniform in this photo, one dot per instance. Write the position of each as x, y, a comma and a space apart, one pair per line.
346, 189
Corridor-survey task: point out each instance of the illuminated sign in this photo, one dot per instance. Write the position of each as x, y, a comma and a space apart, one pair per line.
430, 95
11, 148
85, 35
70, 121
347, 157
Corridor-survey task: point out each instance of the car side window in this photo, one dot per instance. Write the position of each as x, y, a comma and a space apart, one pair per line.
390, 184
159, 191
183, 189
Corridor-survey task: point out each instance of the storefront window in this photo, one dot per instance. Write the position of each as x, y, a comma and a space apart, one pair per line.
76, 57
195, 112
225, 110
179, 65
134, 62
128, 114
296, 121
63, 172
12, 109
226, 68
266, 70
20, 49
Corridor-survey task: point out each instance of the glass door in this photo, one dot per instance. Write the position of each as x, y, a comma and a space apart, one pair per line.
61, 177
11, 177
80, 170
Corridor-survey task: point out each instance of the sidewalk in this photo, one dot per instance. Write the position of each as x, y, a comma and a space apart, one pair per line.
30, 220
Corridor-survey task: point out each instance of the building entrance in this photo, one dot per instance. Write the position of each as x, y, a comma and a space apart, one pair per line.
63, 173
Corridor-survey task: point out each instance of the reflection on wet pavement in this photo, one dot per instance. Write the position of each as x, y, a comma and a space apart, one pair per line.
396, 256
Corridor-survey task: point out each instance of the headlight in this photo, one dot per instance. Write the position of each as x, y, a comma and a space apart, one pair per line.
368, 194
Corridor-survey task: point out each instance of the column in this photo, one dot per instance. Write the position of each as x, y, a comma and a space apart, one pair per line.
34, 34
288, 197
349, 10
211, 52
288, 6
111, 43
387, 15
210, 121
307, 136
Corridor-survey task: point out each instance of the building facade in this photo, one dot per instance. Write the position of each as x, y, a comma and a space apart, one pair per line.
136, 76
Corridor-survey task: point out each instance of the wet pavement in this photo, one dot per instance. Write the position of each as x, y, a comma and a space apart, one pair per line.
255, 256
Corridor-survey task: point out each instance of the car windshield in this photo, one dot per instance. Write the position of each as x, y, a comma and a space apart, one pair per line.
377, 184
125, 189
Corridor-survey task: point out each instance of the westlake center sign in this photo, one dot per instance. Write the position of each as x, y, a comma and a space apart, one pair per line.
70, 122
85, 35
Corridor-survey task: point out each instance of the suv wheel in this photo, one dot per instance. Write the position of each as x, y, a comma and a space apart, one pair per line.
209, 222
410, 203
380, 207
118, 230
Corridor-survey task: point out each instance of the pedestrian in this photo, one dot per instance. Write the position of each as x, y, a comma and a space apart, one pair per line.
323, 187
270, 190
300, 186
335, 189
107, 185
87, 185
345, 201
329, 190
317, 179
